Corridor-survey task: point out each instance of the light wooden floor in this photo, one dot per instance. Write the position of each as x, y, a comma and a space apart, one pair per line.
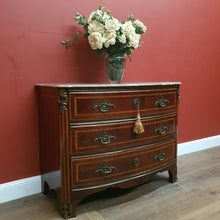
196, 195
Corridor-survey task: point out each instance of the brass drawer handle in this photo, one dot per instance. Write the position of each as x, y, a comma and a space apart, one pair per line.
104, 139
136, 162
161, 130
160, 156
103, 107
162, 102
105, 170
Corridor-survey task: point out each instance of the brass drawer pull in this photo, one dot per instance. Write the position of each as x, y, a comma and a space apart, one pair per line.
161, 130
136, 162
104, 139
162, 102
105, 170
160, 156
104, 106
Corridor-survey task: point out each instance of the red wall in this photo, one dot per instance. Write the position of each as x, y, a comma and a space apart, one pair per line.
182, 44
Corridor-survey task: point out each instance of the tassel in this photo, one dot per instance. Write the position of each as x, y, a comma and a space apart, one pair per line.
138, 126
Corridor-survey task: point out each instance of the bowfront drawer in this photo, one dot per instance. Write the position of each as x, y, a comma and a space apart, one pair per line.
97, 170
114, 136
95, 106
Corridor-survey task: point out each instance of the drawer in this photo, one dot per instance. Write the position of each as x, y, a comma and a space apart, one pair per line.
91, 139
95, 106
99, 170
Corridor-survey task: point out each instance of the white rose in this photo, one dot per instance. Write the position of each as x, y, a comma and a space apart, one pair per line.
96, 27
98, 12
134, 40
122, 39
128, 28
112, 24
95, 40
140, 25
105, 17
109, 38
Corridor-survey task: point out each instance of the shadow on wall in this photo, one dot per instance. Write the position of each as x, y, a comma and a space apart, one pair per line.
88, 67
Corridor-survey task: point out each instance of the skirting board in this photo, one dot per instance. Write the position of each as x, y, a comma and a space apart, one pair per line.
20, 188
29, 186
197, 145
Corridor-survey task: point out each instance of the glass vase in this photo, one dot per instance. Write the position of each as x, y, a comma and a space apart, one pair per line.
114, 66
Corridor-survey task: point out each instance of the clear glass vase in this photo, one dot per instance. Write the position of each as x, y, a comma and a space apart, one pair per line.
114, 66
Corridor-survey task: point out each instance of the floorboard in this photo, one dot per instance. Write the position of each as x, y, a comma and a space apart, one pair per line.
196, 195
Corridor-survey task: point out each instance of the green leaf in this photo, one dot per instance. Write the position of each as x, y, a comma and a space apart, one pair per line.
108, 12
138, 30
82, 20
101, 7
130, 17
65, 42
129, 52
75, 37
98, 18
86, 35
99, 53
86, 27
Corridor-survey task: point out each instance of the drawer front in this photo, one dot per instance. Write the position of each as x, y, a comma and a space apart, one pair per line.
98, 170
116, 136
114, 105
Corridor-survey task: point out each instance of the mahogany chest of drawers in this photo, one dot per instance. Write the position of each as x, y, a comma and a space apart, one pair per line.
87, 143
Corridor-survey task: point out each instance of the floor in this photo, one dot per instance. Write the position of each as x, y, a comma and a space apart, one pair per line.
196, 195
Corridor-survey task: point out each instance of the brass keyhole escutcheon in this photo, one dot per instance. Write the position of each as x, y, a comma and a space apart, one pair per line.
136, 162
136, 103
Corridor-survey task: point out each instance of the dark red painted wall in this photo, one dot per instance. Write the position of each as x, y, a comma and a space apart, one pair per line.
182, 44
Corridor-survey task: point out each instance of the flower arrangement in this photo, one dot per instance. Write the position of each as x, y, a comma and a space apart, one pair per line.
106, 34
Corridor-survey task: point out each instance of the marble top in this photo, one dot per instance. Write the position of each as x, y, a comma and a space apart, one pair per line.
91, 85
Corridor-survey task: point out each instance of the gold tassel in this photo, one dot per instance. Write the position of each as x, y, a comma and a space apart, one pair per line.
138, 126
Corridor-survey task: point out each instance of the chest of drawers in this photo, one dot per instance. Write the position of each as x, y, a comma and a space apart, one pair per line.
87, 143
